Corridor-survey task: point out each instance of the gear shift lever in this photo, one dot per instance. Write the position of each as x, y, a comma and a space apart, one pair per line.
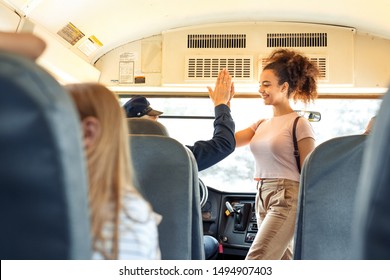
230, 207
240, 212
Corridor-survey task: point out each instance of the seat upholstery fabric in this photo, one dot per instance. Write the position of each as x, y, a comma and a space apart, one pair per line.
328, 187
197, 238
371, 232
145, 126
43, 183
167, 177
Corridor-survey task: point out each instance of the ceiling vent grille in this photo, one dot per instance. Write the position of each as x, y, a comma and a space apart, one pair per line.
320, 62
297, 40
201, 51
209, 67
216, 41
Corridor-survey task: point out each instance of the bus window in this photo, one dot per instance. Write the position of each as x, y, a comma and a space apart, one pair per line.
191, 119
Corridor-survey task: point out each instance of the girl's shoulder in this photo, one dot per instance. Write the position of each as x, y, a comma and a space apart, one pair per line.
255, 125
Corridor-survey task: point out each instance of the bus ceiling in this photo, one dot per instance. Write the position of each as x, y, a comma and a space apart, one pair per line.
153, 49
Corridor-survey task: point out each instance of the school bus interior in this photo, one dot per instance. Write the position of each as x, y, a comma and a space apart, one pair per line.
170, 51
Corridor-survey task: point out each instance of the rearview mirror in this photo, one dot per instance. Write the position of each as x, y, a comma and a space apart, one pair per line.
312, 116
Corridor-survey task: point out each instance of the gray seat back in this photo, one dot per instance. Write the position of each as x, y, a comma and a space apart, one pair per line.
328, 186
145, 126
166, 176
43, 183
371, 231
197, 249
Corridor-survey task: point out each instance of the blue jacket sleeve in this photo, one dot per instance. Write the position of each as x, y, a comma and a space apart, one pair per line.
223, 143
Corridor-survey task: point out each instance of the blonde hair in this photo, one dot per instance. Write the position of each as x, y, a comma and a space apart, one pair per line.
109, 166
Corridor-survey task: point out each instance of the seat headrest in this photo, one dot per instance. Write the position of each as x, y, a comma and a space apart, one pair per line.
145, 126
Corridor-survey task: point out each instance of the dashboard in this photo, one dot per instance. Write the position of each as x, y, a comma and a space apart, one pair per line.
231, 219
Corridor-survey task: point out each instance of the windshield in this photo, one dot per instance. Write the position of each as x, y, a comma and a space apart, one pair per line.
187, 122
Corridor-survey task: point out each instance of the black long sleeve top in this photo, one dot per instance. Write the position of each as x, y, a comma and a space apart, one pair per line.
223, 143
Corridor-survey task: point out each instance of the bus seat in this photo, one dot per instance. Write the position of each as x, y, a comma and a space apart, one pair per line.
326, 199
43, 183
167, 177
371, 232
198, 252
145, 126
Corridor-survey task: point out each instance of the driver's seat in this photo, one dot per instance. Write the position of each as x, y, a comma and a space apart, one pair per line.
167, 176
146, 126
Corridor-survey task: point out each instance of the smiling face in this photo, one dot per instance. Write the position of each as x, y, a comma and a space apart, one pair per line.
270, 90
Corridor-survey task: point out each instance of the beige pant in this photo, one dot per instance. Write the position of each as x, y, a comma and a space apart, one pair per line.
276, 205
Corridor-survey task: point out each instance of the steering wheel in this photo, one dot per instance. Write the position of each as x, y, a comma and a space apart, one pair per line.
204, 193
